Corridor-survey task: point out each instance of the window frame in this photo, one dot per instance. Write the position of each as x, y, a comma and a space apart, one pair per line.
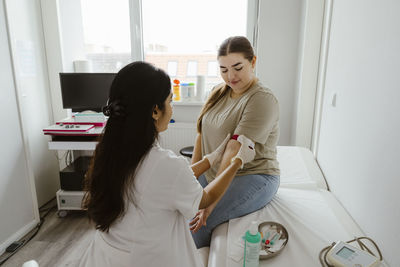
136, 28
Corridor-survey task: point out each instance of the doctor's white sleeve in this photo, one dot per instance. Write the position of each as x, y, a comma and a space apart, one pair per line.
188, 192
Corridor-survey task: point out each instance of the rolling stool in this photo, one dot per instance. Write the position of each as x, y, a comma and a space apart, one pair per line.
187, 151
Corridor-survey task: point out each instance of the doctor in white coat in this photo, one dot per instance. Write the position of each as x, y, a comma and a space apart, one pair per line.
139, 195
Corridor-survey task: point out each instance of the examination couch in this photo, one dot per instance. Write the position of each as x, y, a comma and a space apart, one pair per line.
312, 215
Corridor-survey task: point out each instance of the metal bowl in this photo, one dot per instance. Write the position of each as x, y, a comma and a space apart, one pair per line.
265, 252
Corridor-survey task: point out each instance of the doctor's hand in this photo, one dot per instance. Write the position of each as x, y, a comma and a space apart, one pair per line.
216, 156
246, 152
199, 220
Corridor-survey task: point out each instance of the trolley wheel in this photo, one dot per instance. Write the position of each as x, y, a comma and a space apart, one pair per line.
62, 213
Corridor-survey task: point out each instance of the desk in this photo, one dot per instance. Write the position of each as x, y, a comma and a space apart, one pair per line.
82, 141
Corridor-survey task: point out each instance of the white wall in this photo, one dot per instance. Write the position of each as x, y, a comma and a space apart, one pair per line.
18, 204
279, 39
29, 58
359, 137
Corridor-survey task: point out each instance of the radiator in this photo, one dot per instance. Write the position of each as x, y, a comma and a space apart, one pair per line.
178, 136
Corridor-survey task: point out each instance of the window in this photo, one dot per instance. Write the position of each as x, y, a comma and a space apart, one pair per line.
191, 68
172, 68
106, 34
189, 33
212, 69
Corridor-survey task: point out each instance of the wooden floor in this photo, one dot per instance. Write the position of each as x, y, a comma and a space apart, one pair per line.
60, 241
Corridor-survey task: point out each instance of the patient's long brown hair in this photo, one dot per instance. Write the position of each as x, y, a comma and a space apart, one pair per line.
129, 135
235, 44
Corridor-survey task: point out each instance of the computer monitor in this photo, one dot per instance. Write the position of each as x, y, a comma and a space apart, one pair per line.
85, 91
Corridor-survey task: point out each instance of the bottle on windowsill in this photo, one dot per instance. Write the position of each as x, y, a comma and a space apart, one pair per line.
176, 89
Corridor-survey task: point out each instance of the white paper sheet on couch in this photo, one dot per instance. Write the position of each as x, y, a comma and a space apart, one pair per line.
299, 168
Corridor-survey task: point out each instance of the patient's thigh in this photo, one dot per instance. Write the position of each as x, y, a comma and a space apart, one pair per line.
246, 194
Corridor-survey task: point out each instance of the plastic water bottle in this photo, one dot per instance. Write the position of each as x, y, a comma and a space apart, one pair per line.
252, 246
184, 91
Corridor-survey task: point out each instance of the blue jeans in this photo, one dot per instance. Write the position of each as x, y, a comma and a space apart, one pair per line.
245, 195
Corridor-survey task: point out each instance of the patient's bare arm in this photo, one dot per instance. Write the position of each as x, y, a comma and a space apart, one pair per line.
231, 150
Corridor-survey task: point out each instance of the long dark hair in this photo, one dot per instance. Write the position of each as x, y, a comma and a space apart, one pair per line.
129, 135
234, 44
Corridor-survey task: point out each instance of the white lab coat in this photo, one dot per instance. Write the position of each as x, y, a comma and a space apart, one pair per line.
154, 231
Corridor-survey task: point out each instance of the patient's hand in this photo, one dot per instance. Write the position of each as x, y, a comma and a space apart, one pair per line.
199, 220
